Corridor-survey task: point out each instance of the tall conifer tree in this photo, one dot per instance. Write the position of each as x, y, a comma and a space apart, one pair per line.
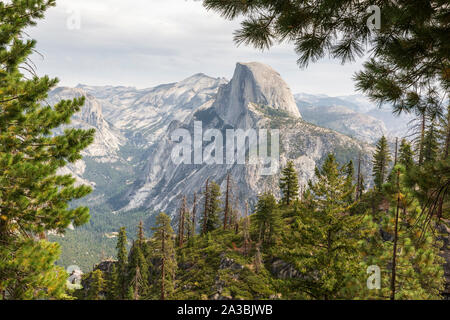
418, 271
211, 219
138, 269
267, 217
289, 184
96, 286
324, 245
381, 161
122, 264
163, 237
33, 198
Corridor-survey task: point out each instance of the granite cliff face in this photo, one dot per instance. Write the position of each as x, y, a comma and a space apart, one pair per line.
253, 83
108, 138
256, 98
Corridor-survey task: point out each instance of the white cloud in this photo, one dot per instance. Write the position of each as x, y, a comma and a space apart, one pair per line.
147, 42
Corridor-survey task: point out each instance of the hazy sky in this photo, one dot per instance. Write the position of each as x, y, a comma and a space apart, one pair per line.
143, 43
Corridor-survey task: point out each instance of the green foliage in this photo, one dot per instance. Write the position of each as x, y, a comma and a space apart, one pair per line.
431, 144
268, 218
122, 264
97, 285
381, 160
211, 216
215, 265
289, 184
164, 251
329, 256
406, 155
28, 262
419, 272
34, 199
349, 172
90, 243
112, 285
319, 247
138, 271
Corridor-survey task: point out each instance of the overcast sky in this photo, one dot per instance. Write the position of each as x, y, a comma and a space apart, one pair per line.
144, 43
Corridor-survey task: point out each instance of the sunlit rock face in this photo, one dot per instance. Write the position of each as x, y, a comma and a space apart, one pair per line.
253, 83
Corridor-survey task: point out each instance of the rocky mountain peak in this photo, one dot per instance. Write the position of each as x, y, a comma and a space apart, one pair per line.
91, 112
254, 83
190, 92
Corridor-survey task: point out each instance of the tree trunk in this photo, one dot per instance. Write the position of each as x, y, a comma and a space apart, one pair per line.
205, 214
288, 192
358, 187
227, 204
163, 271
182, 220
396, 152
194, 213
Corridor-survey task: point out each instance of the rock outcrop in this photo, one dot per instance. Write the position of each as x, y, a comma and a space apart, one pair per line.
254, 83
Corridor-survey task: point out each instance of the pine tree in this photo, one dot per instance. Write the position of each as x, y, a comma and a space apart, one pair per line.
406, 155
246, 231
182, 222
432, 182
381, 160
324, 245
210, 219
350, 176
359, 182
96, 286
141, 234
130, 293
206, 196
34, 199
417, 272
138, 283
289, 184
234, 220
228, 207
122, 264
112, 285
267, 217
362, 187
430, 144
194, 214
165, 251
138, 273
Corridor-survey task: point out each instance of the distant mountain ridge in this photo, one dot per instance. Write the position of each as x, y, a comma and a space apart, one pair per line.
362, 123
